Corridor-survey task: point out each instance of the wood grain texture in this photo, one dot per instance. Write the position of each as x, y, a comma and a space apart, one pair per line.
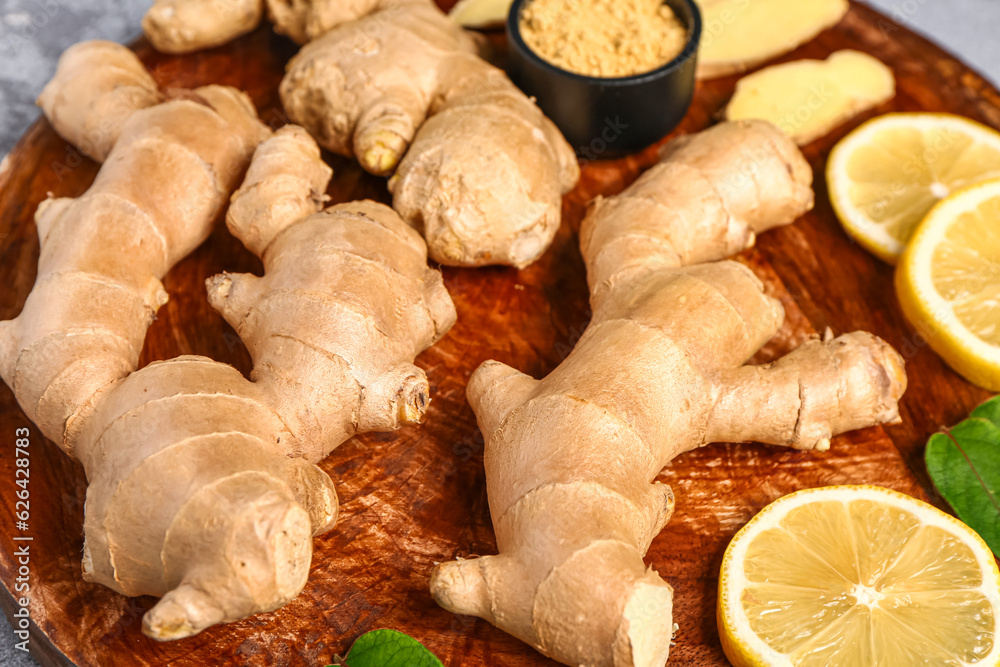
417, 496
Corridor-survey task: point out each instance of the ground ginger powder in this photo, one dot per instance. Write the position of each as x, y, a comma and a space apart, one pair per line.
603, 38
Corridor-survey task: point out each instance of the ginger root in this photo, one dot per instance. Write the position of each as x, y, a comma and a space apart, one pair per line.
202, 484
738, 35
183, 26
96, 87
475, 166
346, 303
808, 98
571, 459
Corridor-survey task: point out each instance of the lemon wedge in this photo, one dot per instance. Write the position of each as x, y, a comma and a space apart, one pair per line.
852, 576
948, 282
887, 174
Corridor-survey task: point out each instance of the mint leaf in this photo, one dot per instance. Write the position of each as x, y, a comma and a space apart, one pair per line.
990, 410
964, 464
389, 648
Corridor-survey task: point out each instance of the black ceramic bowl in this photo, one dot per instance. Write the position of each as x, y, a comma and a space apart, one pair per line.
606, 118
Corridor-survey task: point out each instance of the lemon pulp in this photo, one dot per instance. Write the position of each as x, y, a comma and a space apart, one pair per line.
831, 604
849, 579
965, 269
948, 282
888, 174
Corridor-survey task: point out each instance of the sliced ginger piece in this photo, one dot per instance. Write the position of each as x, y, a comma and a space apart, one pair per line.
739, 34
480, 13
808, 98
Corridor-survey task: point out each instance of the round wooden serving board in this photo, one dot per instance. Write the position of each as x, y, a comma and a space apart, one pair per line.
416, 497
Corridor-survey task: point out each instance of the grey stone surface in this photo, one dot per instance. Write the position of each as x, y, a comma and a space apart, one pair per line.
34, 32
966, 28
32, 35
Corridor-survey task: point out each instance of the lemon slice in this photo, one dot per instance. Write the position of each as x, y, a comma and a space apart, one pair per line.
886, 175
948, 282
858, 576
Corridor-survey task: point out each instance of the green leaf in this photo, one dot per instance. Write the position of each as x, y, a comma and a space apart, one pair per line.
964, 464
989, 410
389, 648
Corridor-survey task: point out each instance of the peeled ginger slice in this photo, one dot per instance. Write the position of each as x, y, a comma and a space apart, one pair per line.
740, 34
480, 13
809, 98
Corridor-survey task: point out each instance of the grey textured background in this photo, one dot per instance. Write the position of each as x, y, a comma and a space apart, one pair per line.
34, 32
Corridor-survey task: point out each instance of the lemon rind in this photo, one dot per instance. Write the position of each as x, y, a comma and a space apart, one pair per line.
972, 357
747, 650
871, 235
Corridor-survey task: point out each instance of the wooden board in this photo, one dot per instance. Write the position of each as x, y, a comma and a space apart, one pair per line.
417, 497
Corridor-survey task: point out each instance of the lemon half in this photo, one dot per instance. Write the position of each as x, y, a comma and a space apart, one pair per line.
887, 174
948, 282
858, 576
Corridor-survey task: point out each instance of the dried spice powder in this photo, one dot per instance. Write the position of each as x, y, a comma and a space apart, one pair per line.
603, 38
